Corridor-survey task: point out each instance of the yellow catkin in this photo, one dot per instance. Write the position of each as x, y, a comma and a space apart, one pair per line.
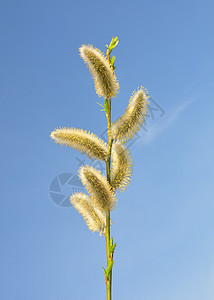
122, 167
132, 120
105, 80
98, 187
81, 140
93, 217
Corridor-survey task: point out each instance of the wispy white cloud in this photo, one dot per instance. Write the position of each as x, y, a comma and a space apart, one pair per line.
154, 130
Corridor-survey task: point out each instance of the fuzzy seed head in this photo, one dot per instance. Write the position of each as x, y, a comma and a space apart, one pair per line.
132, 120
93, 217
81, 140
122, 167
98, 187
105, 80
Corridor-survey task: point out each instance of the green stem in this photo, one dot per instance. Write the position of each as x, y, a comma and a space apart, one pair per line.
107, 233
108, 171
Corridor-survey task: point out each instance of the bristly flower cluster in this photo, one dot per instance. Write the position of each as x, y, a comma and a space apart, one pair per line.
132, 120
98, 188
93, 217
122, 167
81, 140
105, 80
96, 206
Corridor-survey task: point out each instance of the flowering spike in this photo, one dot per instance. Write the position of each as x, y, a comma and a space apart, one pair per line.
93, 217
81, 140
98, 188
122, 167
131, 121
105, 80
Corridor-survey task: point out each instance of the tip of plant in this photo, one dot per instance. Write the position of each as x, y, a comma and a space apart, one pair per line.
113, 44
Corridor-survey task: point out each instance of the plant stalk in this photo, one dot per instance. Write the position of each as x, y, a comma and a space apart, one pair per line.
107, 233
108, 171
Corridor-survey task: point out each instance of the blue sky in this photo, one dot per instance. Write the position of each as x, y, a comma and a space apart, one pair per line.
164, 221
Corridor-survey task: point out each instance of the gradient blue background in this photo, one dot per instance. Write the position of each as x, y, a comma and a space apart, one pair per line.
164, 221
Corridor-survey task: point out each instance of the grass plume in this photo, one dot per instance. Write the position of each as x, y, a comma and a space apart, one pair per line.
132, 120
93, 217
98, 187
105, 80
122, 167
81, 140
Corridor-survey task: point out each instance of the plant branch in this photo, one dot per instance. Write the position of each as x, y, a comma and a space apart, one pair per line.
109, 241
107, 234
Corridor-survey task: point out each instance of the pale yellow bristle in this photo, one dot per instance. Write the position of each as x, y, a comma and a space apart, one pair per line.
122, 167
132, 120
98, 187
94, 218
105, 80
81, 140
